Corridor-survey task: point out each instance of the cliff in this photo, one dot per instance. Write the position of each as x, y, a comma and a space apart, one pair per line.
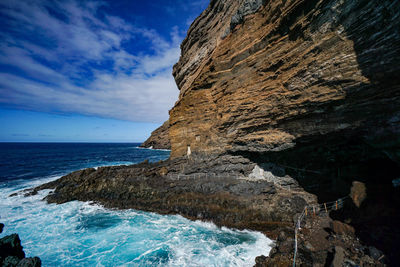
310, 86
262, 76
159, 138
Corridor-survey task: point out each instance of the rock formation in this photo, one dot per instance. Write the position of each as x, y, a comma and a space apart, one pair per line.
159, 138
311, 86
319, 244
229, 191
262, 76
12, 253
200, 188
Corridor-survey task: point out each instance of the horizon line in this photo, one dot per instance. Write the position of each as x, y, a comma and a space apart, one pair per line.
75, 142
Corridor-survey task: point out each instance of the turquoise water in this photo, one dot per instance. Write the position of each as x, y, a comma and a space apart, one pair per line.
85, 234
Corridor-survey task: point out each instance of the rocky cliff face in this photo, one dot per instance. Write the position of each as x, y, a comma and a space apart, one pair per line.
310, 86
159, 138
263, 76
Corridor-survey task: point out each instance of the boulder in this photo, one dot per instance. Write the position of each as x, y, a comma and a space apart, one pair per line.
11, 261
30, 262
358, 193
11, 246
13, 255
342, 228
338, 258
374, 252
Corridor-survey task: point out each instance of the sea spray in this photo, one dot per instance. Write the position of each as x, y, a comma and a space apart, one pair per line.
86, 234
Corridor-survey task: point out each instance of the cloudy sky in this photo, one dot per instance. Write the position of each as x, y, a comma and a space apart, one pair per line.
89, 70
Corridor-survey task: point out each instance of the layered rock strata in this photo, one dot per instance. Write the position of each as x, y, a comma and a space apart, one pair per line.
159, 138
262, 75
310, 86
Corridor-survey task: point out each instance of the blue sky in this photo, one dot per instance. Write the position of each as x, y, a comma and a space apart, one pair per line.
89, 70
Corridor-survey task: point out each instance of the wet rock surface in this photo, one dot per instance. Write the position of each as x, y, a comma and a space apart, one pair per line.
202, 188
319, 245
12, 253
205, 188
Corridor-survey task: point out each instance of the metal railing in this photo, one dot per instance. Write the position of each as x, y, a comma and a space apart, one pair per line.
181, 176
315, 210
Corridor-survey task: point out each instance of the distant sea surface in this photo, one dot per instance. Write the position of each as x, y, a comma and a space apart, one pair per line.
86, 234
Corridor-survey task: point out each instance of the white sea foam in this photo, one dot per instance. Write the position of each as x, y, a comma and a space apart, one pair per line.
84, 234
151, 148
117, 163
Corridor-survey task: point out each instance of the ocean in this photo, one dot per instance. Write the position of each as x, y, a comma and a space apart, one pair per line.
86, 234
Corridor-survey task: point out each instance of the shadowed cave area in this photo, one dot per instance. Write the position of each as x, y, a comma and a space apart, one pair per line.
327, 166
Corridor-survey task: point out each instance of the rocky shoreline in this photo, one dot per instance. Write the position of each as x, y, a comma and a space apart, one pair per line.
281, 104
229, 191
322, 242
220, 190
12, 253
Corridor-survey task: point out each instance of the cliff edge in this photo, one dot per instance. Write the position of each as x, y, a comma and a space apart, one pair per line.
159, 138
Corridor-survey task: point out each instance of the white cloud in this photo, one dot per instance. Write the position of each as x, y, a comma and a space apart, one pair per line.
78, 63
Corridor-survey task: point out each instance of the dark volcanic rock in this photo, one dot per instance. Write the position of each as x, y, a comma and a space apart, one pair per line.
198, 188
13, 255
374, 253
11, 261
342, 228
30, 262
11, 246
318, 245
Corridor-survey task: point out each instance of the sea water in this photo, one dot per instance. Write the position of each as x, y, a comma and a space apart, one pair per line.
86, 234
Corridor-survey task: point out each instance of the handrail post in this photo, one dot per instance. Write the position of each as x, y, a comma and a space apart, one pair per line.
295, 247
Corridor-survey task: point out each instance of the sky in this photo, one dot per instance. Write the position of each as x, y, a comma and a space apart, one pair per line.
89, 71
